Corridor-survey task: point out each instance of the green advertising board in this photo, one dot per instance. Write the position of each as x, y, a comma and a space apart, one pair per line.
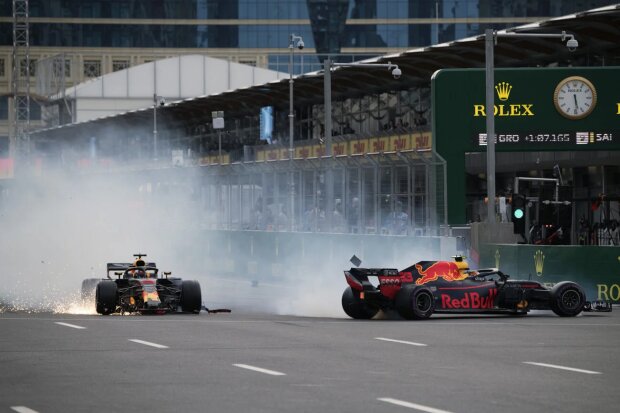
536, 109
596, 269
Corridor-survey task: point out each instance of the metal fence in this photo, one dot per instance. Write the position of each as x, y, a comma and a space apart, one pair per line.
392, 194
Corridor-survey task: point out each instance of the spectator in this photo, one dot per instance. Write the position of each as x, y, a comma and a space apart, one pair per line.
338, 221
347, 130
282, 219
353, 216
419, 119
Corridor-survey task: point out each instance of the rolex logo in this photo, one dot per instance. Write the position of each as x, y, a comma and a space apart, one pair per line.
539, 262
503, 90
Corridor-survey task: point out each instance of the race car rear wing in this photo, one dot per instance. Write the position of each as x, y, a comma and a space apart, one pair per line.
122, 266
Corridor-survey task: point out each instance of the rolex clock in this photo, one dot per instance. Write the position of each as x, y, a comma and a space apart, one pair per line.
575, 97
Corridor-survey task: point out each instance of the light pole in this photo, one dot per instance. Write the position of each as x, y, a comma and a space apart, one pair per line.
294, 41
157, 101
327, 84
490, 39
218, 123
327, 91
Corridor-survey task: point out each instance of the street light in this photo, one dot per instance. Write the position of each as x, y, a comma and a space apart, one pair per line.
294, 41
327, 67
490, 39
218, 123
327, 90
157, 101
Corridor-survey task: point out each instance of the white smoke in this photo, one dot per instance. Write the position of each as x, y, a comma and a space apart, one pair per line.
61, 228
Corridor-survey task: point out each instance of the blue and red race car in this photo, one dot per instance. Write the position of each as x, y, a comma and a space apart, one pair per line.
451, 287
139, 288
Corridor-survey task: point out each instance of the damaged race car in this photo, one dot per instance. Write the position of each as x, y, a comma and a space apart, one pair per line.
451, 287
139, 288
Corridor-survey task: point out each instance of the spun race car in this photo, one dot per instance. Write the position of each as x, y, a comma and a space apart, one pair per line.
138, 288
451, 287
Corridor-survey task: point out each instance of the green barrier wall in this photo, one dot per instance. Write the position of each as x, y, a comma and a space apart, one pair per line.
597, 269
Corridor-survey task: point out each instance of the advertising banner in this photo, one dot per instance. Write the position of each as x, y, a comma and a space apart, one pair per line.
536, 109
596, 269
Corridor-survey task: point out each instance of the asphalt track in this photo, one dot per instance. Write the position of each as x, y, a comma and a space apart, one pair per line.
266, 363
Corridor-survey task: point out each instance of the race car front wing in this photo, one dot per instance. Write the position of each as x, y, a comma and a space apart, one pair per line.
599, 306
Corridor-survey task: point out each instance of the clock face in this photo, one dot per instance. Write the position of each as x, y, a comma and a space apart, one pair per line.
575, 97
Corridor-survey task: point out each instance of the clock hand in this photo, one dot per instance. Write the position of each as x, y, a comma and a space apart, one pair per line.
575, 96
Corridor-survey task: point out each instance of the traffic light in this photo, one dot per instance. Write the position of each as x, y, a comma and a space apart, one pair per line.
518, 213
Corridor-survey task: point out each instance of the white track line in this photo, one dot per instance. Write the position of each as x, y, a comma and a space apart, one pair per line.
22, 409
414, 406
147, 343
411, 343
553, 366
260, 370
70, 325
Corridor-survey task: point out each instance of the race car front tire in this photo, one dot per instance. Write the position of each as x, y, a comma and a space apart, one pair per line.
355, 307
567, 299
106, 297
191, 297
415, 303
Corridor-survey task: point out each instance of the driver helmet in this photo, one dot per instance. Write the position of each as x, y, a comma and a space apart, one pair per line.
139, 273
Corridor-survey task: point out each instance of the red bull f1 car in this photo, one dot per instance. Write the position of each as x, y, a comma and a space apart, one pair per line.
451, 287
139, 288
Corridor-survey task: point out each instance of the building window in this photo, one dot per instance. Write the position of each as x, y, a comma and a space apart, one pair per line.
32, 65
35, 110
58, 68
4, 147
92, 68
119, 65
4, 107
2, 72
67, 67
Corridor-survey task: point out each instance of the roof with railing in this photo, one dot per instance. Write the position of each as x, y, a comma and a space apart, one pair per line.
597, 32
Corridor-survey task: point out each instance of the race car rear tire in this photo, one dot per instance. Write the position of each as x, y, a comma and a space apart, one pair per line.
191, 297
415, 303
567, 299
106, 297
355, 307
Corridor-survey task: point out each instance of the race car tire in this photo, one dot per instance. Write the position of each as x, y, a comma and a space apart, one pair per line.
567, 299
355, 307
89, 285
415, 303
106, 297
191, 297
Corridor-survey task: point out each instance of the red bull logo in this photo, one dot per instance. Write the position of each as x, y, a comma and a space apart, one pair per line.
472, 300
447, 270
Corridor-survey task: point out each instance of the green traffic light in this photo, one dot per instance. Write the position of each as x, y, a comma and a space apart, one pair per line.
518, 213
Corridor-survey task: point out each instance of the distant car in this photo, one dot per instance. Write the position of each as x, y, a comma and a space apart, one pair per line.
139, 288
451, 287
